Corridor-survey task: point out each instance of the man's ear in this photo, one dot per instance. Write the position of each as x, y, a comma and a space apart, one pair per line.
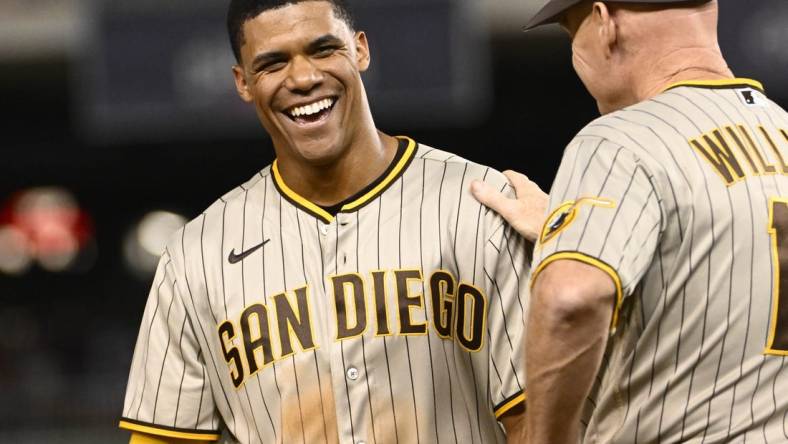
362, 51
606, 25
240, 84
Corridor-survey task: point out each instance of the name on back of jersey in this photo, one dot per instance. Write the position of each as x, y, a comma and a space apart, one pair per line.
264, 333
736, 152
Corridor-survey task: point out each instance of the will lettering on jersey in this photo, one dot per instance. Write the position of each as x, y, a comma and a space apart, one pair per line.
265, 333
735, 152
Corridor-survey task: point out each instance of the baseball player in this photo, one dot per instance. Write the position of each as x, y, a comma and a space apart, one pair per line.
658, 311
353, 291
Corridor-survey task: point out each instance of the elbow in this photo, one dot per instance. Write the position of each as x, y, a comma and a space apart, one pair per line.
565, 305
573, 293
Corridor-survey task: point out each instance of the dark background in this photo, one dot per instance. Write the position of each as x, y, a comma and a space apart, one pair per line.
127, 132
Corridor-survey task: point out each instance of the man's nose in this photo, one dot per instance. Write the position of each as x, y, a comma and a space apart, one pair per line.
303, 75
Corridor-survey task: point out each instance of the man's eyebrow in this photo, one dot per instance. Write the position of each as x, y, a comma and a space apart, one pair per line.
267, 57
322, 40
314, 45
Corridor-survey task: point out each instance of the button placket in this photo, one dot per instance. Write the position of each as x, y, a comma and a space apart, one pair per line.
345, 233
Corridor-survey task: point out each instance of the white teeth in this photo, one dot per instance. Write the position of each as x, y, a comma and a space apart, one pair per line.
313, 108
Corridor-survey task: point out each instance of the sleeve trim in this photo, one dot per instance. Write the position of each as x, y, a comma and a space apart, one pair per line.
509, 403
581, 257
170, 432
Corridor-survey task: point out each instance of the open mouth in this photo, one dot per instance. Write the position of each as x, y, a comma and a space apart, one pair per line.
313, 112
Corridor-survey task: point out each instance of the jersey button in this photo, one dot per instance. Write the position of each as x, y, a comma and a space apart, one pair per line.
352, 374
323, 229
361, 442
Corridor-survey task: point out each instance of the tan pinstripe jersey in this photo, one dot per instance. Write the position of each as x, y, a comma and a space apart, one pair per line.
398, 320
682, 200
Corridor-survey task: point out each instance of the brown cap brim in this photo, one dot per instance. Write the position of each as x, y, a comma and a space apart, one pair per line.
550, 13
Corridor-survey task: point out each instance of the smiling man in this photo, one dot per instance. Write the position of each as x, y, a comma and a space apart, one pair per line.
353, 291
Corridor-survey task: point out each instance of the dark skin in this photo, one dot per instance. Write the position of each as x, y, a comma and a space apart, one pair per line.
297, 56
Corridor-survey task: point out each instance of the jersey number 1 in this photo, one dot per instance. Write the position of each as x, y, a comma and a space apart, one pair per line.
778, 230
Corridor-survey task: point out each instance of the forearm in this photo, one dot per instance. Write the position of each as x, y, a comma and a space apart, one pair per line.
565, 341
515, 428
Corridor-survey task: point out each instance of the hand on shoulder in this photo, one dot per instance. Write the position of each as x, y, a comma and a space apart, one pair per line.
526, 213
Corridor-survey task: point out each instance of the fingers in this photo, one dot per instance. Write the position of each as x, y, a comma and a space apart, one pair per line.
490, 197
525, 213
518, 181
523, 186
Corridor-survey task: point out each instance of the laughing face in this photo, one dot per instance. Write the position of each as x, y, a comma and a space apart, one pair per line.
300, 67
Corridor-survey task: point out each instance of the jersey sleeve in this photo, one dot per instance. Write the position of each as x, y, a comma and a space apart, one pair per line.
604, 211
168, 392
507, 256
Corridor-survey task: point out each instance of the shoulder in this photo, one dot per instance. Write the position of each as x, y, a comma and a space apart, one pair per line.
236, 195
624, 127
457, 170
210, 221
651, 133
448, 179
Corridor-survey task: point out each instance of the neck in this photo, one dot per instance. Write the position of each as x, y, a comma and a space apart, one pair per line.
680, 66
650, 76
332, 182
658, 46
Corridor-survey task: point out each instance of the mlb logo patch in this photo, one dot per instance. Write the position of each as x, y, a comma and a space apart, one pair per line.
752, 97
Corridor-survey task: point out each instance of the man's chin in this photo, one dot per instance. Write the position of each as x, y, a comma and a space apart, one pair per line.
317, 152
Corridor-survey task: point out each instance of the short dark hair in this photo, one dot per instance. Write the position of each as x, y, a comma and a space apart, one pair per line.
241, 11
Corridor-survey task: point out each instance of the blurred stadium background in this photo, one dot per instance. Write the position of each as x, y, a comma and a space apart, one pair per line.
119, 122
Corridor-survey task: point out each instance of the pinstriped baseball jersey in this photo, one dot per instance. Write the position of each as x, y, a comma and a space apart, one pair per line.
398, 319
681, 199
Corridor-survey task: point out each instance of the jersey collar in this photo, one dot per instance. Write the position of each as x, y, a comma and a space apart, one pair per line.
719, 83
381, 184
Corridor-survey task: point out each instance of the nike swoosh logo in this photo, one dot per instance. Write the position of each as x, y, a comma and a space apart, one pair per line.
235, 258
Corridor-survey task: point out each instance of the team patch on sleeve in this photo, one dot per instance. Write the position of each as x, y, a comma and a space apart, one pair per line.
564, 215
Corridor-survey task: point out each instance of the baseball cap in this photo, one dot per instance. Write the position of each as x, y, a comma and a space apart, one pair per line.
552, 10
